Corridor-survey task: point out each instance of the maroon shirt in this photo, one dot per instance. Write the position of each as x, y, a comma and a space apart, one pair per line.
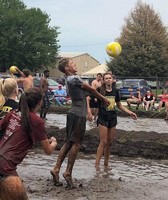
16, 142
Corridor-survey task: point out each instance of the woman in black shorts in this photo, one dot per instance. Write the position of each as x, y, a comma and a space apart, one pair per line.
107, 118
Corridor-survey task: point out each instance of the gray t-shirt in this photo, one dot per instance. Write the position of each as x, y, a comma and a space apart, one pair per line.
77, 94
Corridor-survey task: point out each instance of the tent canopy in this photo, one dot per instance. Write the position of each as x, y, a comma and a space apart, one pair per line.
103, 68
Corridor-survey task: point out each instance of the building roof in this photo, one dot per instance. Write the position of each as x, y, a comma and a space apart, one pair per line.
73, 55
103, 68
70, 54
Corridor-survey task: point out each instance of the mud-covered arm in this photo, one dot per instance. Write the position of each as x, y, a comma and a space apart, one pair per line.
95, 93
89, 113
20, 72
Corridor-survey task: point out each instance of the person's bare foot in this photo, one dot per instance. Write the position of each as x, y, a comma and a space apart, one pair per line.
69, 181
56, 178
97, 167
106, 163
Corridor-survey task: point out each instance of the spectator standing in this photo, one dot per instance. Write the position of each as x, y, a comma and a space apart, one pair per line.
44, 89
93, 100
26, 79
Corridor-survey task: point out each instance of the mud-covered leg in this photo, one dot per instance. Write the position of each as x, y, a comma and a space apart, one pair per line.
62, 154
71, 160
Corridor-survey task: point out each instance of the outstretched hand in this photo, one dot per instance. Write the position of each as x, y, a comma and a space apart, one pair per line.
133, 115
52, 139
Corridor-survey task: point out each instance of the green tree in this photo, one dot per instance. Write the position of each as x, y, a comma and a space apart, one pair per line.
144, 42
26, 38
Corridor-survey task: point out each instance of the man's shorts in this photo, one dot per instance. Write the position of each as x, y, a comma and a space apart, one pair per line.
46, 101
75, 128
93, 104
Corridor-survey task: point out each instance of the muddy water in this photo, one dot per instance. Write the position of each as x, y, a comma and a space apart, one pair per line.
125, 178
130, 178
147, 124
124, 168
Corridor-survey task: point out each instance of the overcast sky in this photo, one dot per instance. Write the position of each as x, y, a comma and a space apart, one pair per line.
89, 25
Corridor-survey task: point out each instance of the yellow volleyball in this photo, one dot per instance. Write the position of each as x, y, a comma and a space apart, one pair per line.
13, 70
113, 49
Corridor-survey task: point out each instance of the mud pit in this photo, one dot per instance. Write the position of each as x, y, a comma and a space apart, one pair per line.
126, 178
129, 176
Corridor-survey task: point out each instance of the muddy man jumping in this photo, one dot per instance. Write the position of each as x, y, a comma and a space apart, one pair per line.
76, 119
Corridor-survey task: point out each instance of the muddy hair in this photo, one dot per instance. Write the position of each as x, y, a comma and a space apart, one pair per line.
46, 71
63, 63
99, 74
7, 87
103, 87
26, 72
28, 101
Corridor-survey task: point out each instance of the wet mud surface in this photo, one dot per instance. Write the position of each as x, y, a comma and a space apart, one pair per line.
146, 137
125, 178
138, 167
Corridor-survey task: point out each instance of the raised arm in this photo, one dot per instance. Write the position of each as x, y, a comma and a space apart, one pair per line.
20, 72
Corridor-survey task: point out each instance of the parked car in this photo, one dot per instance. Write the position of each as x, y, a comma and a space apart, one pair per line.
61, 80
53, 85
130, 86
164, 84
4, 76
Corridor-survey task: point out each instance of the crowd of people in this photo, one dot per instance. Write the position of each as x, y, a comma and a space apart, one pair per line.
148, 101
21, 127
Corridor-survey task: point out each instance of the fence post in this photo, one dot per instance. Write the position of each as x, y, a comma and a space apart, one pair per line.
157, 85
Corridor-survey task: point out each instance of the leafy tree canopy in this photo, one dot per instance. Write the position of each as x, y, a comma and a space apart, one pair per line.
26, 38
144, 41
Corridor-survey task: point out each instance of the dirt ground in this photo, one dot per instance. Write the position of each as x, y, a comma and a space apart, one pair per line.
123, 180
94, 185
145, 144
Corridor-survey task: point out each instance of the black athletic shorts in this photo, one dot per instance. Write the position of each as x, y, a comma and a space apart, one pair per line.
109, 123
93, 104
75, 128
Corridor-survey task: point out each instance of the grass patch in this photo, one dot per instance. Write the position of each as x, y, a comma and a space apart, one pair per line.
157, 91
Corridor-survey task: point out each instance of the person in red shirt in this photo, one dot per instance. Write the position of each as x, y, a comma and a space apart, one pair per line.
164, 101
21, 129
